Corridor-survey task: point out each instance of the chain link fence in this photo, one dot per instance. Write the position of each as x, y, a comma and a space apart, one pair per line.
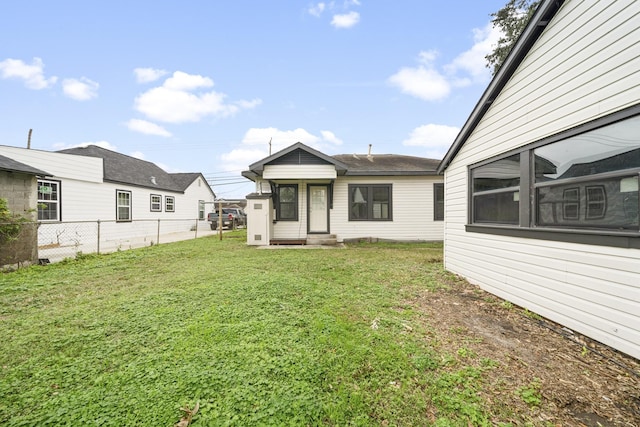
60, 240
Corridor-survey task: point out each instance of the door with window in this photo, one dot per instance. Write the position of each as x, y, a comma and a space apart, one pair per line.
318, 209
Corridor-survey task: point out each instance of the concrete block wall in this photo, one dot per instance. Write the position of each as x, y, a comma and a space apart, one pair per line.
21, 192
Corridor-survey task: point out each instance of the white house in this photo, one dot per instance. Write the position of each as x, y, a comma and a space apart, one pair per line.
541, 200
305, 196
93, 183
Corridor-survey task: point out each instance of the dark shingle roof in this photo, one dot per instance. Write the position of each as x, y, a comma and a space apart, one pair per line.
184, 180
11, 165
387, 164
119, 168
348, 164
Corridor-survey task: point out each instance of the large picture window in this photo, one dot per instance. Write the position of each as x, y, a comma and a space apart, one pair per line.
123, 205
370, 202
584, 180
48, 200
287, 204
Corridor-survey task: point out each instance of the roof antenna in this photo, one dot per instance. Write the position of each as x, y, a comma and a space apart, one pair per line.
29, 139
270, 145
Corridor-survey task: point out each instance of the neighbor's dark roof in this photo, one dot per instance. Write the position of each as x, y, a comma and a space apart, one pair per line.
387, 164
120, 168
540, 19
11, 165
348, 164
184, 180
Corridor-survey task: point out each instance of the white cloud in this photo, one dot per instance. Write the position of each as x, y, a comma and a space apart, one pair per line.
247, 105
148, 128
32, 74
423, 81
330, 137
147, 75
346, 20
138, 155
255, 145
279, 138
473, 60
239, 159
183, 81
431, 83
175, 102
81, 89
317, 9
435, 138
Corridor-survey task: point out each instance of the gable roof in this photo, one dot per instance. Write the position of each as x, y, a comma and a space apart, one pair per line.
184, 180
347, 164
10, 165
540, 19
290, 153
123, 169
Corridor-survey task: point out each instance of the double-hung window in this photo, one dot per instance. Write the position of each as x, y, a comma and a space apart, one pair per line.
156, 203
287, 203
370, 202
48, 200
169, 204
200, 208
123, 205
581, 181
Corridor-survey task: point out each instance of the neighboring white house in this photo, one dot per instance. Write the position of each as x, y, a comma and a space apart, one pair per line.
542, 181
92, 183
304, 196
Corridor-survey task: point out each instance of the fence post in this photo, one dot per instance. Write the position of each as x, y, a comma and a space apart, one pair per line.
196, 236
98, 245
158, 238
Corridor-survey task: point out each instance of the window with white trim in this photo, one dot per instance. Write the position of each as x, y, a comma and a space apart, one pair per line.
156, 203
123, 205
200, 208
169, 204
48, 200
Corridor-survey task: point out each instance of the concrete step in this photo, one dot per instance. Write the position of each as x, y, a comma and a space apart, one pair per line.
322, 239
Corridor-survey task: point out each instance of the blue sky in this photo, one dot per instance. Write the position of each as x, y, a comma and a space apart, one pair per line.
202, 86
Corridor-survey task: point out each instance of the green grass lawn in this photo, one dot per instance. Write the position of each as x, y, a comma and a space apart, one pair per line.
254, 337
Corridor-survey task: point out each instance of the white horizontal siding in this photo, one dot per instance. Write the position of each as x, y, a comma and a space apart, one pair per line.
412, 210
585, 65
187, 204
299, 172
59, 165
294, 229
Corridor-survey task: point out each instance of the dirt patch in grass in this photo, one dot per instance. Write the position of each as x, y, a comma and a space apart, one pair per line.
545, 374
